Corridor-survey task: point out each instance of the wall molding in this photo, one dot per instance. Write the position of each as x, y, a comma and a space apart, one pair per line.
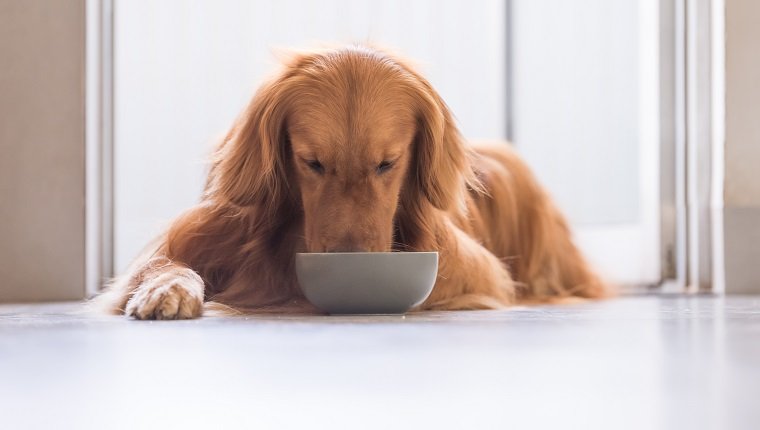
98, 144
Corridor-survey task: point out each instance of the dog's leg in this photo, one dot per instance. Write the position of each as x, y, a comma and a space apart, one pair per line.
165, 290
154, 288
469, 276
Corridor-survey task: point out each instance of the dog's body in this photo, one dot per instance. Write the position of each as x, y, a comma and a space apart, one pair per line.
351, 150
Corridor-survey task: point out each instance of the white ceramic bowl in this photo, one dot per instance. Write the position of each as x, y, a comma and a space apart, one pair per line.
367, 282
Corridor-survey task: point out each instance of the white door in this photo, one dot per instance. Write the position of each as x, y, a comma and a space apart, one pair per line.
585, 116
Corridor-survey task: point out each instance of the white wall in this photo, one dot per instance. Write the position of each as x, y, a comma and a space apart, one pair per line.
183, 70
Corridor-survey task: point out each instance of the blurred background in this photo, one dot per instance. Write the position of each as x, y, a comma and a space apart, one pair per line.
110, 108
562, 86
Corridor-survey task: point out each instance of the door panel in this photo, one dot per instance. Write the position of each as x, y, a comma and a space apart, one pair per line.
585, 117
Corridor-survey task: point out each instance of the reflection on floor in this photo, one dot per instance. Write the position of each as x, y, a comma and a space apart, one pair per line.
638, 362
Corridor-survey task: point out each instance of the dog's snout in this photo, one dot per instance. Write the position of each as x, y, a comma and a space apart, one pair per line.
347, 249
348, 244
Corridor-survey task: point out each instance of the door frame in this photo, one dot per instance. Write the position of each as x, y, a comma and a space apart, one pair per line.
98, 144
692, 59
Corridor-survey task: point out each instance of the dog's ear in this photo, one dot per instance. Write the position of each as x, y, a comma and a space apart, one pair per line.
250, 165
442, 168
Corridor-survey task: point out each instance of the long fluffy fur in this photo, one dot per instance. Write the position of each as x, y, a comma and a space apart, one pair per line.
501, 239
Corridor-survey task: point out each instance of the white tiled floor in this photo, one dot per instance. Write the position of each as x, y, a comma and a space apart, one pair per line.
638, 362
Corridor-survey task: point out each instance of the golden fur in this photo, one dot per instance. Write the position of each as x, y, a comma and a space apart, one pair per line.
351, 150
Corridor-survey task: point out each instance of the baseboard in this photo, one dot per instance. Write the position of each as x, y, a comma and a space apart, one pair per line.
741, 243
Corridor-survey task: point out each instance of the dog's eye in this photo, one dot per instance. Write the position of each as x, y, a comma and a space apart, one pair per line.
384, 167
316, 166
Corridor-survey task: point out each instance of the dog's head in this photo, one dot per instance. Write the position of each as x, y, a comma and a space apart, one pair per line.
349, 136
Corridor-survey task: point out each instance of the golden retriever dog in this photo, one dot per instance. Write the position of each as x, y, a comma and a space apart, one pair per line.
351, 149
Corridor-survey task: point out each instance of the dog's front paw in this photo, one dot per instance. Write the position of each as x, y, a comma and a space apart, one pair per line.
176, 294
